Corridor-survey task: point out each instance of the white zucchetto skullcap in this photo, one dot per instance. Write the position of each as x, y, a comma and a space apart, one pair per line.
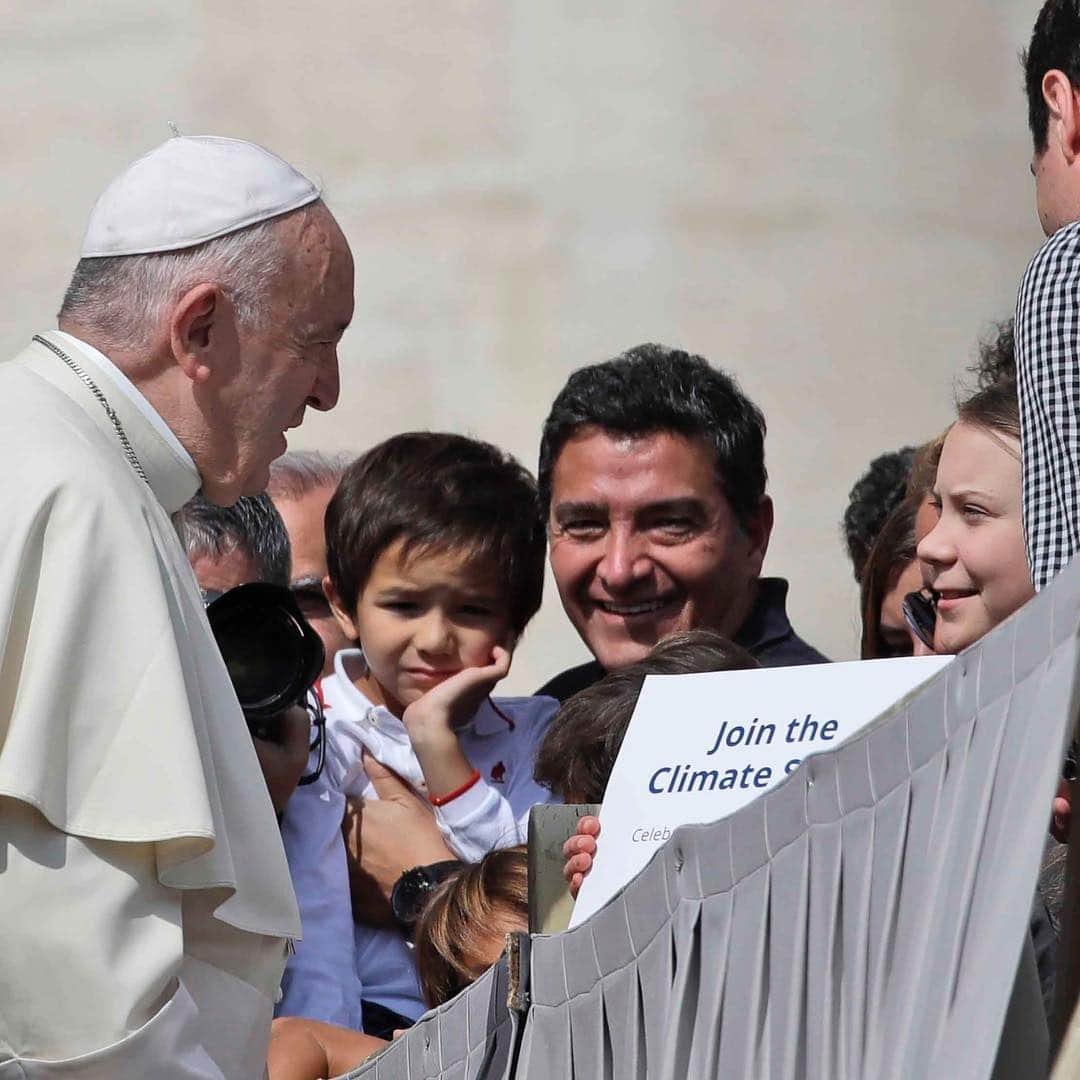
191, 189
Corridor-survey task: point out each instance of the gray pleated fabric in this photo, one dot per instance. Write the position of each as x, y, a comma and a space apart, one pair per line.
863, 919
473, 1035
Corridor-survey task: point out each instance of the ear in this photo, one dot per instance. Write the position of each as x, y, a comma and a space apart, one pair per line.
344, 619
1063, 103
759, 528
198, 323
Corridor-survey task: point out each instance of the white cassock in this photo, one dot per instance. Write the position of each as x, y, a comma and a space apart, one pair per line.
145, 902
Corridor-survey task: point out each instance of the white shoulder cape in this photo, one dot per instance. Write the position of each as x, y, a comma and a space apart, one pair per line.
117, 718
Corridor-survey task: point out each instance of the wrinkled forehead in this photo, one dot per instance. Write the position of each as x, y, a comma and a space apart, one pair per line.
318, 283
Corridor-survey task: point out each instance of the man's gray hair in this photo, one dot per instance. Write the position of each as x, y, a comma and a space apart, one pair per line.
298, 472
125, 297
251, 525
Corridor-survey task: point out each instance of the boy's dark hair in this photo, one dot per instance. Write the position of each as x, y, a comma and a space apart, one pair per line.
873, 498
443, 492
1055, 45
580, 747
651, 389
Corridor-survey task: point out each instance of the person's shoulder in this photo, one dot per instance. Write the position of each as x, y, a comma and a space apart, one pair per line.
1066, 236
569, 682
529, 710
807, 654
768, 634
72, 492
1059, 252
35, 408
790, 651
518, 720
51, 451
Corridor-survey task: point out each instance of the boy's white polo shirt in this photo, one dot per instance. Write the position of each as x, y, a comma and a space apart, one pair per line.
325, 979
501, 741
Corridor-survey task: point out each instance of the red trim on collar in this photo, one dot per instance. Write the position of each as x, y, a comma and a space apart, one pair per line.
498, 712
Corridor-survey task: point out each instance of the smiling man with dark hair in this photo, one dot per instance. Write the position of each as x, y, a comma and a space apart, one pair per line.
652, 476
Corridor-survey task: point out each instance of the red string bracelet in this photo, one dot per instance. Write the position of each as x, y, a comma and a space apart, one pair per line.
442, 800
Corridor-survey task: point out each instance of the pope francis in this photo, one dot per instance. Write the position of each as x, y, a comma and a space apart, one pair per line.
145, 904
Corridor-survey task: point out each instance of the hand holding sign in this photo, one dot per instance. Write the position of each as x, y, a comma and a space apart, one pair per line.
579, 851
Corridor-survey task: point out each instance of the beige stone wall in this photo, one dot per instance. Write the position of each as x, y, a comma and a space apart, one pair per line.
830, 200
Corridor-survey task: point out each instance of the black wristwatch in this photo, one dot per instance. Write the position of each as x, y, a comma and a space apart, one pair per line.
412, 889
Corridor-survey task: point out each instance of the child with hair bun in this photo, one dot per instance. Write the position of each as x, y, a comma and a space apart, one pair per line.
462, 930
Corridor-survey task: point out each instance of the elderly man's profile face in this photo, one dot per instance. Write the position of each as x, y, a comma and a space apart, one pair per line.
282, 368
645, 543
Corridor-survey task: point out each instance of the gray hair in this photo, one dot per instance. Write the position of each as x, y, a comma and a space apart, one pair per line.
124, 297
251, 525
295, 474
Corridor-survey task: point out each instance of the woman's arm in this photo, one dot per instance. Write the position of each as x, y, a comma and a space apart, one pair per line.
303, 1049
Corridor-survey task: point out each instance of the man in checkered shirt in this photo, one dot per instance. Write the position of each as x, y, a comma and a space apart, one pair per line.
1048, 307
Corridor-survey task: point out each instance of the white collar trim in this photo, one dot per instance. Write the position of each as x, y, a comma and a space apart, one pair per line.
485, 721
378, 716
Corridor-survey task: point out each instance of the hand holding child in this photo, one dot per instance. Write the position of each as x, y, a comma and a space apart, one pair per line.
432, 721
384, 837
437, 714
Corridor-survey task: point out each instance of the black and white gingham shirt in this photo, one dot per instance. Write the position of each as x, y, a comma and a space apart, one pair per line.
1048, 375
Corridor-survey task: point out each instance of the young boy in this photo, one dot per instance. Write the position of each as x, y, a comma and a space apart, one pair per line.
435, 549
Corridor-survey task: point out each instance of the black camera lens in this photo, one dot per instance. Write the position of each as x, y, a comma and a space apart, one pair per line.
273, 657
262, 655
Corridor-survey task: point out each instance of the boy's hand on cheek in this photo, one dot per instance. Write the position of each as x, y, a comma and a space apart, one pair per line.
434, 717
432, 720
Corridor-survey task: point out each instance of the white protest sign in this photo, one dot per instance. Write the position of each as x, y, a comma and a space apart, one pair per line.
701, 746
